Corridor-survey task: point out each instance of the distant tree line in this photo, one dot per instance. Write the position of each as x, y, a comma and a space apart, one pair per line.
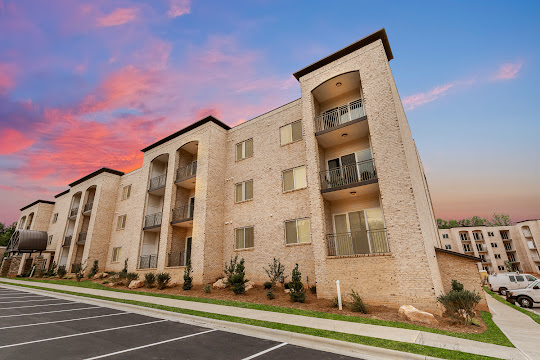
6, 232
496, 220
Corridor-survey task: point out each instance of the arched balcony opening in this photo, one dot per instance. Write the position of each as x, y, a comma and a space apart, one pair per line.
22, 222
29, 221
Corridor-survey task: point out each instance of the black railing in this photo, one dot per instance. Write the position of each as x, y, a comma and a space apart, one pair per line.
148, 261
348, 174
176, 259
67, 240
152, 220
340, 115
157, 182
357, 242
186, 172
88, 207
182, 213
82, 238
73, 212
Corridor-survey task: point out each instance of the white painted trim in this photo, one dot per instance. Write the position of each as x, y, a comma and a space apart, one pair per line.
60, 321
20, 307
48, 312
18, 301
265, 351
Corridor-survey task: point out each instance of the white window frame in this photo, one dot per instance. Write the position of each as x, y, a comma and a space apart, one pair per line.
126, 192
55, 218
445, 236
123, 225
494, 245
116, 254
243, 183
500, 267
294, 179
290, 127
243, 143
448, 247
297, 233
49, 240
464, 236
497, 256
244, 229
506, 233
467, 248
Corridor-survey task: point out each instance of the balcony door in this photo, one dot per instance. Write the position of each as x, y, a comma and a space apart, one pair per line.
360, 232
191, 207
350, 168
188, 250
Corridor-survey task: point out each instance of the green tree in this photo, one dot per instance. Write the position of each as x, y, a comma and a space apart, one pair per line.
6, 232
500, 220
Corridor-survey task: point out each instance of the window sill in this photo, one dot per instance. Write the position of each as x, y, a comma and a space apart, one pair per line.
155, 268
293, 190
359, 256
292, 142
175, 267
297, 244
237, 161
120, 229
243, 201
246, 249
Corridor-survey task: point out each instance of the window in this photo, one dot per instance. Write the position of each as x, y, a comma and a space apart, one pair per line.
126, 192
497, 256
244, 191
479, 247
501, 268
294, 179
291, 132
493, 245
485, 268
505, 235
244, 150
244, 238
508, 246
49, 240
448, 247
464, 236
297, 231
116, 254
467, 247
445, 236
530, 278
512, 278
520, 278
511, 257
490, 233
121, 222
55, 218
482, 256
477, 235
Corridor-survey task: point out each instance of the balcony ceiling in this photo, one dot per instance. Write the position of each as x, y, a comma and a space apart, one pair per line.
191, 147
355, 130
361, 190
329, 90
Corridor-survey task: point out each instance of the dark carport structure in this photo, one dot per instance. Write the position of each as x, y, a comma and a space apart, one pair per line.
23, 241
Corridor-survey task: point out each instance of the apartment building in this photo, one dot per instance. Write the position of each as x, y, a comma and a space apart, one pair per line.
331, 181
517, 244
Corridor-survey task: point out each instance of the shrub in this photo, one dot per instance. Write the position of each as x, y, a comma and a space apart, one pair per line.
286, 285
357, 304
297, 291
275, 272
188, 279
149, 279
235, 274
130, 277
125, 269
162, 280
105, 282
79, 272
313, 289
270, 294
61, 272
207, 288
229, 269
52, 270
460, 303
93, 270
267, 285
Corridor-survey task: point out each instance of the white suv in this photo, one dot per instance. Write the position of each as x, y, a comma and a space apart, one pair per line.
502, 282
525, 297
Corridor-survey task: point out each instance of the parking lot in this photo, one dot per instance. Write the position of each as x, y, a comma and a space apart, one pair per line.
37, 326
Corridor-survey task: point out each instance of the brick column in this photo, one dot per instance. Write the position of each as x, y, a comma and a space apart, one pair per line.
39, 263
14, 266
5, 267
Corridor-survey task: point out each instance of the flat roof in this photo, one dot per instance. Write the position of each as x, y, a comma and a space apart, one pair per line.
527, 220
62, 193
470, 257
96, 173
377, 35
186, 129
37, 202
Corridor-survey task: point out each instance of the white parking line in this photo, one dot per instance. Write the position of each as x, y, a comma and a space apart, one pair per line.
80, 334
149, 345
20, 307
49, 312
21, 297
25, 301
60, 321
264, 352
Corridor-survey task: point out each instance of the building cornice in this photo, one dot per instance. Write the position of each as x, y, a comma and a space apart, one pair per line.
470, 257
96, 173
37, 202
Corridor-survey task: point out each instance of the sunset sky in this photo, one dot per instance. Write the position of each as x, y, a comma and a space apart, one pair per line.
87, 84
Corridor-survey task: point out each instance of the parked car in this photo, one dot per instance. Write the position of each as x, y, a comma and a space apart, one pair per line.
525, 297
503, 282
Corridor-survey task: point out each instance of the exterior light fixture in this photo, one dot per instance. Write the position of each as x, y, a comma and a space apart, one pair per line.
352, 193
338, 84
344, 135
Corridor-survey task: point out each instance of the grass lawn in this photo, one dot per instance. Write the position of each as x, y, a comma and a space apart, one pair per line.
533, 316
365, 340
492, 335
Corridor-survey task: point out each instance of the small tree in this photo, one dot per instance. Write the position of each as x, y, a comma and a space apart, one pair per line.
297, 291
79, 271
61, 272
238, 280
275, 271
188, 279
162, 280
357, 304
149, 279
93, 270
230, 268
509, 266
500, 220
460, 303
130, 277
125, 269
52, 270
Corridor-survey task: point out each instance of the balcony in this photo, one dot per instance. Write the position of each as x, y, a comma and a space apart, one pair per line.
350, 178
357, 243
152, 221
67, 241
157, 185
183, 216
342, 124
82, 238
486, 259
73, 212
481, 249
185, 176
535, 257
176, 259
148, 261
88, 208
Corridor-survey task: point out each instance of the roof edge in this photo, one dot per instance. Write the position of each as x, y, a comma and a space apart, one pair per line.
37, 202
377, 35
96, 173
470, 257
62, 193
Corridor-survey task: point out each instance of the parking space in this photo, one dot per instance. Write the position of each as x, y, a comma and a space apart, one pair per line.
46, 327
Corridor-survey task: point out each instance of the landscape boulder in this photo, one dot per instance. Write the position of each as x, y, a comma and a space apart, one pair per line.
101, 276
135, 284
249, 285
220, 284
411, 313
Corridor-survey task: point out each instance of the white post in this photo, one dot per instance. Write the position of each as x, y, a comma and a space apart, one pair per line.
339, 295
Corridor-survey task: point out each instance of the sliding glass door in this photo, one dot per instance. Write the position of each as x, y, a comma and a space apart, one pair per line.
360, 232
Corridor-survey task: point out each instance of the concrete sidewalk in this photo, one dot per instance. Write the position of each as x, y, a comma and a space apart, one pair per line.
382, 332
522, 331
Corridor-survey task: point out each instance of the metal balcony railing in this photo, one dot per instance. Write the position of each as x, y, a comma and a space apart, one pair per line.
73, 212
340, 115
176, 259
348, 174
486, 259
157, 182
67, 240
186, 171
182, 213
152, 220
357, 242
82, 238
148, 261
88, 207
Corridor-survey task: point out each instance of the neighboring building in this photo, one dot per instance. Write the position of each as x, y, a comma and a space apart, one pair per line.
517, 244
331, 181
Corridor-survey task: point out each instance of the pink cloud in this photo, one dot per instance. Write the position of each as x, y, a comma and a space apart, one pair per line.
12, 141
508, 71
7, 77
179, 8
415, 100
117, 17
